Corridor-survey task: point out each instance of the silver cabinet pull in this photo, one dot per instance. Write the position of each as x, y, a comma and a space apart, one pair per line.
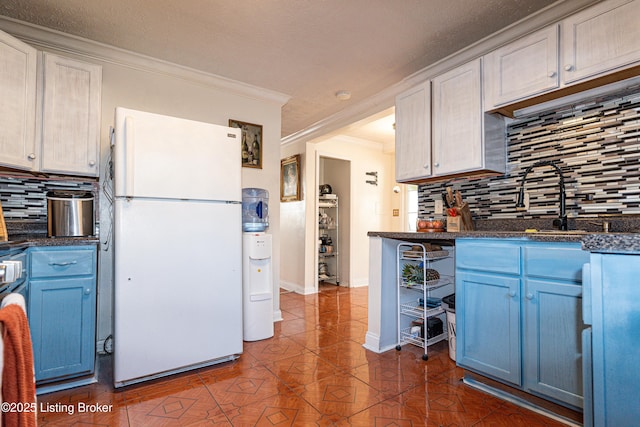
63, 264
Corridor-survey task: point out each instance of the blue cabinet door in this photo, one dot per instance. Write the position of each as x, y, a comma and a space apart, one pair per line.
62, 322
615, 303
553, 346
488, 324
62, 310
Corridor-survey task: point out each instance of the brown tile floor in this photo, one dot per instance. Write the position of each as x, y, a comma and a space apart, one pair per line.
314, 371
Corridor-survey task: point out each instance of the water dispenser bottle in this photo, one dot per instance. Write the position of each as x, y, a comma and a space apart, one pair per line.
255, 209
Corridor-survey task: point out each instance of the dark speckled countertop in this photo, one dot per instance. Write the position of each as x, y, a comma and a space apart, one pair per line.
30, 234
591, 241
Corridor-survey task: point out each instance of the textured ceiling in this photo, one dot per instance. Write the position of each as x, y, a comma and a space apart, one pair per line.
307, 49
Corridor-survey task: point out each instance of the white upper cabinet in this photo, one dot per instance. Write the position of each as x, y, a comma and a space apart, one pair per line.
465, 140
596, 42
600, 39
413, 134
71, 116
49, 119
523, 68
457, 113
18, 63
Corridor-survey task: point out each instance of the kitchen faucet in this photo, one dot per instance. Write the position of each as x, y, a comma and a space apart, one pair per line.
561, 222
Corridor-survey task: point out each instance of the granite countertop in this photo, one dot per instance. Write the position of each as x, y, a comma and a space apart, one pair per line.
31, 233
591, 241
31, 241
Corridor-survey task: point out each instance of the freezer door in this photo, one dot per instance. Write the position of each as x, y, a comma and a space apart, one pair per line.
159, 156
177, 286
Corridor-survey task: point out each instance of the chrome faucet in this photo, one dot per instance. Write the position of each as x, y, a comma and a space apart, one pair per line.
561, 222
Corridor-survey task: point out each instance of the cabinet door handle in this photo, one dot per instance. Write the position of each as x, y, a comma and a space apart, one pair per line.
512, 293
31, 156
63, 264
436, 164
568, 67
87, 291
92, 163
529, 296
552, 74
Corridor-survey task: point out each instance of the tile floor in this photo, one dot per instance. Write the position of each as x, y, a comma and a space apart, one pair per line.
314, 371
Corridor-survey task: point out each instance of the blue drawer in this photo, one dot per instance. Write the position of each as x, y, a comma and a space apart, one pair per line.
489, 256
552, 262
62, 262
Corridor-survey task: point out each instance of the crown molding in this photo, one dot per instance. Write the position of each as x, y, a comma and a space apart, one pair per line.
386, 98
48, 39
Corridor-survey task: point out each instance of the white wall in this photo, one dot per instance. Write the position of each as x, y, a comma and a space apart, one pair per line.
371, 209
370, 205
146, 84
292, 227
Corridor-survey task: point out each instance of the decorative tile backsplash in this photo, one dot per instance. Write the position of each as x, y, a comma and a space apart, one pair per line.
25, 198
597, 146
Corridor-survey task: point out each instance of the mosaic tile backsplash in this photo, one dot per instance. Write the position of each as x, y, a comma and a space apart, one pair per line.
25, 198
597, 146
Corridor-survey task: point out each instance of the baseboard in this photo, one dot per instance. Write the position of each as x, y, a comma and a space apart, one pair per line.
372, 343
360, 284
522, 399
295, 287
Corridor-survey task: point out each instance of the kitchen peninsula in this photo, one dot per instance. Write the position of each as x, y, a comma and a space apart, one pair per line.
563, 356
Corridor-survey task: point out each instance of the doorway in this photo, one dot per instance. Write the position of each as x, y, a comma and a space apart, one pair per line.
333, 223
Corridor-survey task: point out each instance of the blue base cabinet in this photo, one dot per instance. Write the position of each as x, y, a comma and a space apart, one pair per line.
519, 315
614, 312
62, 311
488, 325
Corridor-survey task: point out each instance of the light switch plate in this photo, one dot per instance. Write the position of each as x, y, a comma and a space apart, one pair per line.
439, 207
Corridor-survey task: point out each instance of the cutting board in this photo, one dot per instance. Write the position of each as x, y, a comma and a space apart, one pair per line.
3, 227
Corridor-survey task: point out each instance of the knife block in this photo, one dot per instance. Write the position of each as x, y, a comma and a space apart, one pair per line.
454, 223
465, 215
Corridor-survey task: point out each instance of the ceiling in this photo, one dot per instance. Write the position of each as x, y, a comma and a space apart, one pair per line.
307, 49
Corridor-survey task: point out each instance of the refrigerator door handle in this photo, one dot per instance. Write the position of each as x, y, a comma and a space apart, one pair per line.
129, 141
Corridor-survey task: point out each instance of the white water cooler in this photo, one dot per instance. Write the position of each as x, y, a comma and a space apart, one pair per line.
257, 286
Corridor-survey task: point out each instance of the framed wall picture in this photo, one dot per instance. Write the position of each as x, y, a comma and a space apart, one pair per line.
290, 179
251, 143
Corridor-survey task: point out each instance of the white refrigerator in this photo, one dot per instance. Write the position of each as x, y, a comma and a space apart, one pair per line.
177, 245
